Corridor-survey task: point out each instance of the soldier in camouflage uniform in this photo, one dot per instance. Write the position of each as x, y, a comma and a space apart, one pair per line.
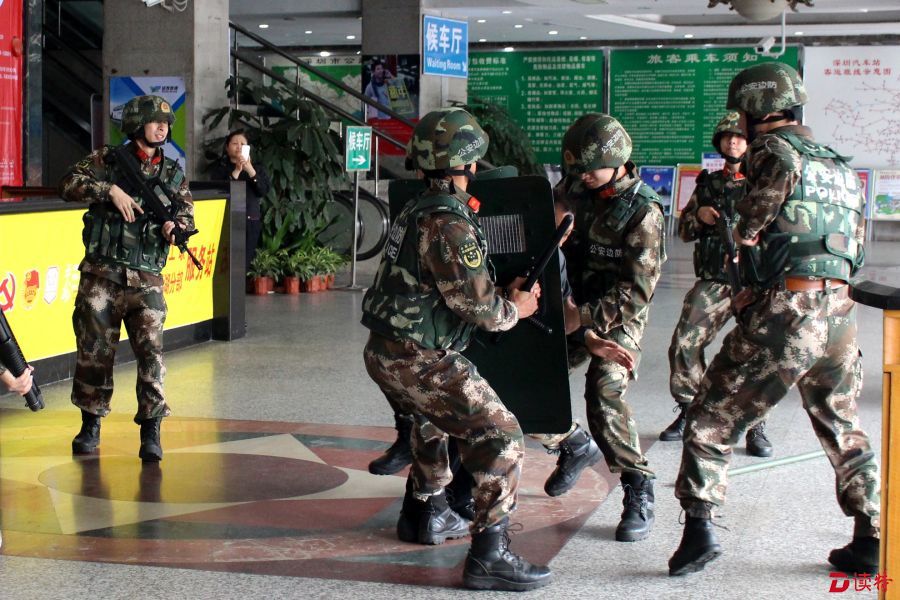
432, 289
125, 250
707, 306
620, 238
802, 218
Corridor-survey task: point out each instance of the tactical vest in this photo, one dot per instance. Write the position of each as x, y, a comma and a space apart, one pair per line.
396, 305
605, 237
814, 233
140, 245
720, 192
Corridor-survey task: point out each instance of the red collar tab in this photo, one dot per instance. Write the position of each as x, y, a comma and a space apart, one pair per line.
142, 156
474, 204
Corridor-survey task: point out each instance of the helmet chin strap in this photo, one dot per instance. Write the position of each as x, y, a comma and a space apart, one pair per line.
466, 172
155, 144
608, 189
732, 160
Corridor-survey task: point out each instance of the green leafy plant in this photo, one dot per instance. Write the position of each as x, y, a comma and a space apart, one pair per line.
266, 263
509, 143
299, 263
293, 142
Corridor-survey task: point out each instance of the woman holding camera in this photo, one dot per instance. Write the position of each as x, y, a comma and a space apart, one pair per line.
235, 165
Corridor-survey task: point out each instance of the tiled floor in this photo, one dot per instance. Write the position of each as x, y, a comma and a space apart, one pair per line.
263, 491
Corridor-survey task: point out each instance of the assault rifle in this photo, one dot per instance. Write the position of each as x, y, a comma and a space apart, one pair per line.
152, 191
11, 357
724, 225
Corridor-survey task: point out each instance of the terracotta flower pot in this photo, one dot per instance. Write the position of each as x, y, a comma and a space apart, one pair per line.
291, 285
263, 285
313, 284
329, 281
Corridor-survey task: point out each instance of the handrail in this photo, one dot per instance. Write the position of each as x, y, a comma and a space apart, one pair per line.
91, 65
314, 97
320, 73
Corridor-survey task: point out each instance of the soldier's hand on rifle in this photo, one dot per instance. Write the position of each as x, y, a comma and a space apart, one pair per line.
124, 203
20, 385
708, 215
608, 350
168, 228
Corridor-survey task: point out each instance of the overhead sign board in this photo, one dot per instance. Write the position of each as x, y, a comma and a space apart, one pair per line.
445, 47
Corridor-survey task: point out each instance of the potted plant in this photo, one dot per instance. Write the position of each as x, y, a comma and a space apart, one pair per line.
331, 263
264, 268
296, 268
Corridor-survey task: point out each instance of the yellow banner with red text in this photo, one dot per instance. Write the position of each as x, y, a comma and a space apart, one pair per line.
39, 257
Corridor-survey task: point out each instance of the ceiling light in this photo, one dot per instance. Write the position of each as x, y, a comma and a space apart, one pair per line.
358, 52
553, 32
659, 45
508, 49
518, 26
689, 35
263, 25
506, 12
630, 22
864, 10
584, 37
798, 33
482, 20
351, 37
324, 53
307, 32
482, 40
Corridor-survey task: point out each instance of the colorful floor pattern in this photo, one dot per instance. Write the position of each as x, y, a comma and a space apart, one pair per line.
256, 497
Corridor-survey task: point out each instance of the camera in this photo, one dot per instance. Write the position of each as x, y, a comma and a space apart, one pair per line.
764, 45
150, 3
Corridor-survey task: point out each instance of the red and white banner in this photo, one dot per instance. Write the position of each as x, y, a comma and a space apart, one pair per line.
11, 79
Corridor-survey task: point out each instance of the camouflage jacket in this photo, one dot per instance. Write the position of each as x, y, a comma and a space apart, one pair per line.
777, 176
89, 181
624, 241
434, 276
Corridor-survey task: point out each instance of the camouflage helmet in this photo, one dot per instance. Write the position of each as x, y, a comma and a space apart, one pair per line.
730, 123
595, 141
445, 139
766, 88
141, 110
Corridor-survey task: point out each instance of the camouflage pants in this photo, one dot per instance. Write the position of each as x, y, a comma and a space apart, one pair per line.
784, 338
446, 389
706, 309
610, 418
551, 441
101, 307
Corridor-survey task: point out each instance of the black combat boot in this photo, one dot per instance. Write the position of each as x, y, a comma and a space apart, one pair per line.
698, 547
675, 431
491, 566
88, 438
151, 448
637, 518
576, 453
757, 442
859, 556
459, 494
399, 454
430, 522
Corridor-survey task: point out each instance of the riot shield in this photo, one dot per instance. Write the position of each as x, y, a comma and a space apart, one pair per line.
527, 366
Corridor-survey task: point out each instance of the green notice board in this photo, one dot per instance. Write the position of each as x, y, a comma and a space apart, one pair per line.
670, 100
543, 91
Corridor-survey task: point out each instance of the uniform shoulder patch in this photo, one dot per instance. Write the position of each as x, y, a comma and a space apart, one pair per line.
471, 255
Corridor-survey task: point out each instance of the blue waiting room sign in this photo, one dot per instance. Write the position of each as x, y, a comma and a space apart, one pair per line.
445, 47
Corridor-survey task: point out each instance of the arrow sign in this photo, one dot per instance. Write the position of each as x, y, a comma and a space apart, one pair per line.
357, 148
